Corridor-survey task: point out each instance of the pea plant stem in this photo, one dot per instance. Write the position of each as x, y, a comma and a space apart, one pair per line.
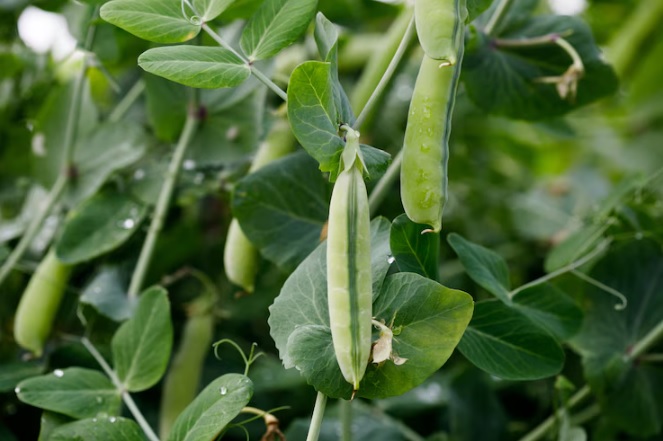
163, 202
388, 74
500, 12
63, 178
255, 71
379, 63
346, 419
126, 397
316, 419
127, 101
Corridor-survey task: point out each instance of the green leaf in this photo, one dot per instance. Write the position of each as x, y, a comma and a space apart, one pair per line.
166, 106
313, 115
160, 21
625, 390
505, 81
276, 25
11, 373
108, 148
476, 7
504, 343
141, 346
99, 428
326, 38
485, 267
99, 225
49, 422
107, 294
196, 66
282, 208
210, 9
377, 162
75, 392
413, 251
428, 319
212, 410
551, 309
303, 298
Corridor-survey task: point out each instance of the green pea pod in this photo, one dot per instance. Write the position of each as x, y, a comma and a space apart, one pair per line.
349, 288
183, 379
426, 146
240, 257
440, 26
40, 302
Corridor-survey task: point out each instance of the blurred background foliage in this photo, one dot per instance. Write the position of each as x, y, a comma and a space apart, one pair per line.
517, 187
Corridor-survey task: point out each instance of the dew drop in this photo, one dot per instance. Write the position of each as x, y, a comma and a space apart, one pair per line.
112, 419
17, 390
391, 259
189, 164
223, 390
100, 400
58, 373
128, 224
232, 133
139, 174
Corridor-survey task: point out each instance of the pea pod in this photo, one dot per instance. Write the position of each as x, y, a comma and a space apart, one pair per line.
183, 378
240, 257
426, 145
440, 27
349, 289
40, 302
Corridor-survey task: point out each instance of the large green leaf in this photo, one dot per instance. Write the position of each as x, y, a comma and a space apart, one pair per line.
485, 267
428, 320
76, 392
326, 38
312, 113
142, 345
98, 226
303, 298
12, 373
575, 246
549, 308
108, 148
625, 390
221, 401
413, 251
505, 80
196, 66
504, 343
282, 208
99, 428
276, 25
160, 21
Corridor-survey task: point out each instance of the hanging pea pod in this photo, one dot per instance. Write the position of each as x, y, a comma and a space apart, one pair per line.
240, 257
40, 303
349, 288
424, 177
440, 27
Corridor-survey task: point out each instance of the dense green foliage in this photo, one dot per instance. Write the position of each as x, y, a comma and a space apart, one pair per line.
122, 169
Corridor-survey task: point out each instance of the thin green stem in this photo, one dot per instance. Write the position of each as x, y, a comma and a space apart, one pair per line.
131, 405
125, 104
566, 269
63, 178
316, 419
542, 429
647, 341
604, 287
388, 74
591, 412
163, 202
346, 420
33, 228
497, 17
383, 187
257, 73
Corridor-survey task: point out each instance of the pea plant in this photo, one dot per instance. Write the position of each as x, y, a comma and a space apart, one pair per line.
235, 211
